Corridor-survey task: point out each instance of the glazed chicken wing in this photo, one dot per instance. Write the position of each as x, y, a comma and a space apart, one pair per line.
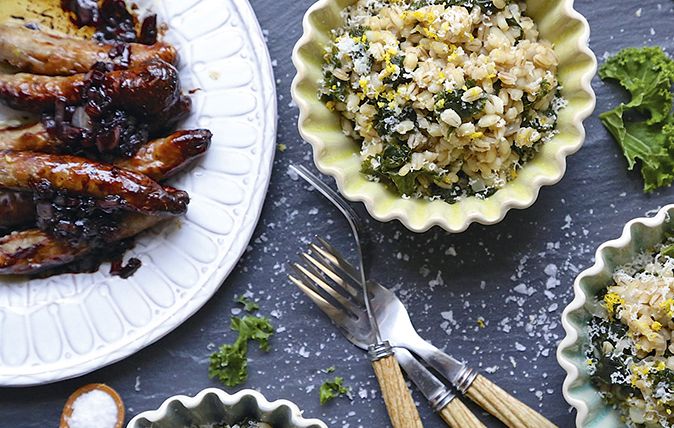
32, 251
151, 89
39, 52
112, 186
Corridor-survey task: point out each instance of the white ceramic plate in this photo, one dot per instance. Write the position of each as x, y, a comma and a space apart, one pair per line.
69, 325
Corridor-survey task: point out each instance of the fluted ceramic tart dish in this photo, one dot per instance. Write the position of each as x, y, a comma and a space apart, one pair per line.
213, 408
338, 155
640, 236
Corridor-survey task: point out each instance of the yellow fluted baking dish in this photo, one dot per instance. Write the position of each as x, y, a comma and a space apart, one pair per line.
336, 154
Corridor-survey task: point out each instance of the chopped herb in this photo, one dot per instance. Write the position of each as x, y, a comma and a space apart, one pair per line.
330, 369
668, 250
248, 304
644, 127
387, 119
399, 77
452, 99
332, 389
608, 367
487, 6
230, 363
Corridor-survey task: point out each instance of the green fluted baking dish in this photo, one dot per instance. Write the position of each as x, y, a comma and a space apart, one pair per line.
337, 155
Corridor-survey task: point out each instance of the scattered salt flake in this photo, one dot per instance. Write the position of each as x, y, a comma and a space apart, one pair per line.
292, 174
451, 251
491, 370
523, 289
520, 347
568, 221
550, 270
437, 281
362, 393
448, 315
303, 352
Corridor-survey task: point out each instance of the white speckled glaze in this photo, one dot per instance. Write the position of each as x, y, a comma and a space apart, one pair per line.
638, 235
337, 155
65, 326
214, 406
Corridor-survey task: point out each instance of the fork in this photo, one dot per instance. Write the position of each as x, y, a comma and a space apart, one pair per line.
397, 327
397, 397
321, 285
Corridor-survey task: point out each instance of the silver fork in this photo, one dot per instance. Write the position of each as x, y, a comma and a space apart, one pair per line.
396, 327
326, 288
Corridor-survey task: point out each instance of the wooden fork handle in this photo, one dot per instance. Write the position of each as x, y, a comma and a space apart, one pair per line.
457, 415
399, 403
504, 406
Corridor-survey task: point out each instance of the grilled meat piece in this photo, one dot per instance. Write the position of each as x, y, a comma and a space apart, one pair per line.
39, 52
112, 186
163, 158
150, 90
159, 159
28, 138
16, 209
32, 251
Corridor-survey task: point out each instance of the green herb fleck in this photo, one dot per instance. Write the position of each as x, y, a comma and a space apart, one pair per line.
668, 251
644, 127
230, 363
330, 369
452, 99
248, 304
332, 389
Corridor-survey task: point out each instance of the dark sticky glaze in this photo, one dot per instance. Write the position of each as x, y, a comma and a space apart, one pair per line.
159, 159
33, 251
39, 52
112, 186
162, 158
28, 137
16, 209
149, 90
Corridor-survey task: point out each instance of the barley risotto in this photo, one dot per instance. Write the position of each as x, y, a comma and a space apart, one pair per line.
448, 98
631, 352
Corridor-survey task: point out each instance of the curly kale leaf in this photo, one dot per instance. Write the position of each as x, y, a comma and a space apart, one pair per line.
332, 389
648, 74
230, 363
644, 127
653, 145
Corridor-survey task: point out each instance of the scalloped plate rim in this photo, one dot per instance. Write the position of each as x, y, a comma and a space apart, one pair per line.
248, 222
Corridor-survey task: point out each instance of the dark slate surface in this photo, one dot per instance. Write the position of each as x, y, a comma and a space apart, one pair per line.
448, 281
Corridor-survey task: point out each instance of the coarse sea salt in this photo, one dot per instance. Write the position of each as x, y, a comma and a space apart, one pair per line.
94, 409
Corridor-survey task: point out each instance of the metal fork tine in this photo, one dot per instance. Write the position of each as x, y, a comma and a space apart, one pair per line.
353, 289
331, 255
333, 313
316, 268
